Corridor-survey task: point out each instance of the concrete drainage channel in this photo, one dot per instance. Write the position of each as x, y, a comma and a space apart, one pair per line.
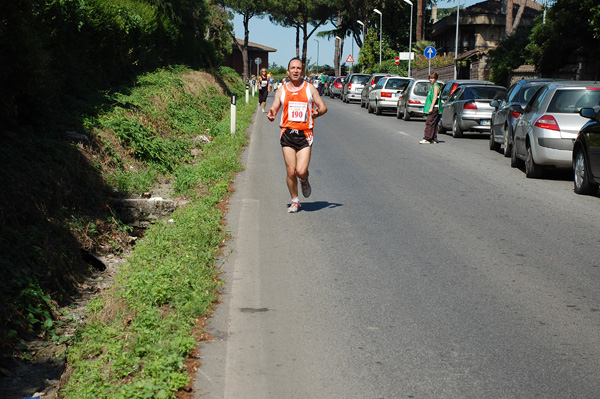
40, 377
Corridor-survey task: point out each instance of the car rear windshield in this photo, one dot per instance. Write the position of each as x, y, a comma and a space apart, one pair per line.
571, 101
376, 79
484, 93
422, 88
359, 79
396, 84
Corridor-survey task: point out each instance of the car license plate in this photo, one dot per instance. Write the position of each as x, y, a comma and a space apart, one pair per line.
421, 109
485, 122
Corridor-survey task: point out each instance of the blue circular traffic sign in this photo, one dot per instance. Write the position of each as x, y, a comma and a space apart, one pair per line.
429, 52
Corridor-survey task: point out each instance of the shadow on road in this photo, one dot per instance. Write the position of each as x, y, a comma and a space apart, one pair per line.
318, 205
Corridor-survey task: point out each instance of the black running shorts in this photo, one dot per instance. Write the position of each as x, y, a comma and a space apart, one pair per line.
262, 96
295, 140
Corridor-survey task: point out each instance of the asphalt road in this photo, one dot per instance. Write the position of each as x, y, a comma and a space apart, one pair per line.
413, 271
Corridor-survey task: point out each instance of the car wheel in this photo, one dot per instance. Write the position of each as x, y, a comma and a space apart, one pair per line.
582, 182
398, 114
377, 109
369, 108
515, 162
406, 115
507, 143
456, 130
532, 170
493, 145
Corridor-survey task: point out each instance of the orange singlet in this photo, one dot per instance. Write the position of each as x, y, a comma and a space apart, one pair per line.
297, 105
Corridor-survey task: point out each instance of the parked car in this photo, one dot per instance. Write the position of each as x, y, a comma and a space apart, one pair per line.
469, 109
386, 93
373, 79
328, 84
550, 122
451, 85
353, 86
336, 87
412, 99
586, 154
504, 118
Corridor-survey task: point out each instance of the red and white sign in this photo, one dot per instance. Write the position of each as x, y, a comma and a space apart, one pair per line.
397, 60
350, 59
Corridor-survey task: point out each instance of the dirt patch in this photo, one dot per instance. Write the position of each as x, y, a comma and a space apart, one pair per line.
40, 376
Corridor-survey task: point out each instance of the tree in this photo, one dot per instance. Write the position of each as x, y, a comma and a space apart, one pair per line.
248, 9
369, 53
306, 16
551, 49
508, 55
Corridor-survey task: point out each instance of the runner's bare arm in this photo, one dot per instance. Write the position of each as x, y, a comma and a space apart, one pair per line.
321, 107
276, 105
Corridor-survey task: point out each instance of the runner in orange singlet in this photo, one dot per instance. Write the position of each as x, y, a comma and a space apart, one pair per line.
301, 105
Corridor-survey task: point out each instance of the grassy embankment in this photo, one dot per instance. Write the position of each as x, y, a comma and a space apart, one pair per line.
138, 336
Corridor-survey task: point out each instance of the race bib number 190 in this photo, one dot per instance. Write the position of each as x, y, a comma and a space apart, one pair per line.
297, 111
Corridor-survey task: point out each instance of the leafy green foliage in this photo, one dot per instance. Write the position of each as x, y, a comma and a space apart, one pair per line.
551, 49
369, 53
508, 55
57, 47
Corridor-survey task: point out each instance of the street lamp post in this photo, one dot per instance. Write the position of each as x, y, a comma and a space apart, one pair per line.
339, 60
363, 29
317, 54
380, 30
410, 35
456, 41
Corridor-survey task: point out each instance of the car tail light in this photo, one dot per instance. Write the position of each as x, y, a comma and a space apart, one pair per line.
384, 94
469, 106
349, 86
414, 102
592, 88
547, 122
515, 114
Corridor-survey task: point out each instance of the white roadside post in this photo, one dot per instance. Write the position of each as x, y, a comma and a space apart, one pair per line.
233, 114
247, 94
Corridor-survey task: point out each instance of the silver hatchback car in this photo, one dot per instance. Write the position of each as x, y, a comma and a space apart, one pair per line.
469, 109
548, 126
412, 99
353, 87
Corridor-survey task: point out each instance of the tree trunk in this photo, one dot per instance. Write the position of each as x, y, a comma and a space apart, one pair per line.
339, 45
519, 15
420, 17
245, 46
509, 16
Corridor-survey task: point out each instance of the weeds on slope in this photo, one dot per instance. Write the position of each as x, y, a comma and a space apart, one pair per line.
138, 337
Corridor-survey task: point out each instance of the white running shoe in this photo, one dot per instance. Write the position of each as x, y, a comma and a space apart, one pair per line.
424, 142
294, 207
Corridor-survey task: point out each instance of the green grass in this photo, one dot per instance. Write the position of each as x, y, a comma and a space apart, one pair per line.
138, 337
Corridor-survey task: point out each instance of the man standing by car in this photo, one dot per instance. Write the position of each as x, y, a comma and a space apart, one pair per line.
298, 99
433, 103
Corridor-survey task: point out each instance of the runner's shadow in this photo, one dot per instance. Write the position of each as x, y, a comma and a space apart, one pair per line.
318, 205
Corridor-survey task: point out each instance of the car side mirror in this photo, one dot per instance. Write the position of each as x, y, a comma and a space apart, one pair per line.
495, 104
587, 112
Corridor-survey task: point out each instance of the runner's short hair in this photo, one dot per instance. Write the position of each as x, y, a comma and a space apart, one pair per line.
295, 58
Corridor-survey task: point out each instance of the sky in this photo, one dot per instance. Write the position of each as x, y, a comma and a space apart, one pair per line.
262, 31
